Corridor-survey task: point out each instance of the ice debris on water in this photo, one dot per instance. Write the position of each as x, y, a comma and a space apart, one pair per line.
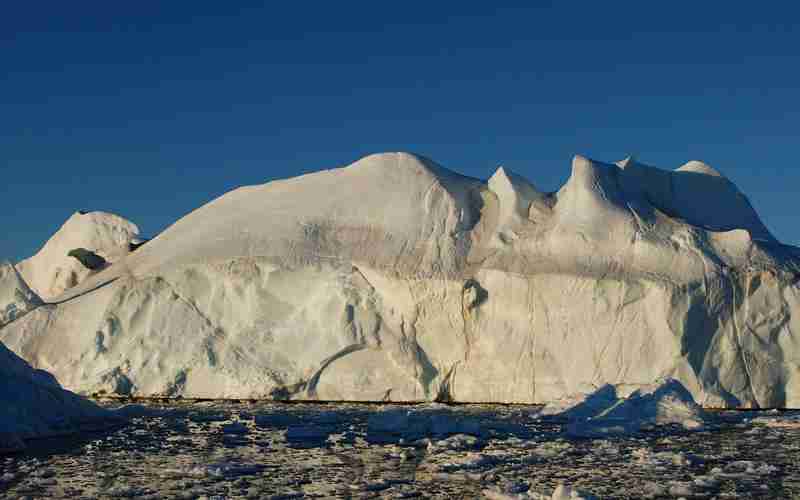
561, 492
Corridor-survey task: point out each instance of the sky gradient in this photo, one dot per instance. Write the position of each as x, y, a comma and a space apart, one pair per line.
150, 109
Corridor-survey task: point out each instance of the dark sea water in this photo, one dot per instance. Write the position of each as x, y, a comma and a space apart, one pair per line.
274, 450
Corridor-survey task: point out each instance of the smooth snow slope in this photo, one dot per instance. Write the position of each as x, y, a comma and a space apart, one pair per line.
394, 278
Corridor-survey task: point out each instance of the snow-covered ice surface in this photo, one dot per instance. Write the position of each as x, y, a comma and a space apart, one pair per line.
307, 450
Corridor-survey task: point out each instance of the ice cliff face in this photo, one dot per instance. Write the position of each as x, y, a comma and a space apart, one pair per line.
396, 279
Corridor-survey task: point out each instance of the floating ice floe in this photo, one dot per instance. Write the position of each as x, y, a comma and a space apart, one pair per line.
456, 442
606, 412
744, 468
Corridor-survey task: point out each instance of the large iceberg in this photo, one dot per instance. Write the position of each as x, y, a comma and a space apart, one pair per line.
395, 279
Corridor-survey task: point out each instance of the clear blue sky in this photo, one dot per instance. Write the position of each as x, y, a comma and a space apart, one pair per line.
149, 109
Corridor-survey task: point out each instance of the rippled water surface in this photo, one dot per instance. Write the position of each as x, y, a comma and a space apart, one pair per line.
273, 450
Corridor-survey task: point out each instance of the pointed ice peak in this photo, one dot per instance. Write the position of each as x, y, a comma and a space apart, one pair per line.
629, 161
581, 164
510, 178
514, 193
498, 178
499, 173
589, 174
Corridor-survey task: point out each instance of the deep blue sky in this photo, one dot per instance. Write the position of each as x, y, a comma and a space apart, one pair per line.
149, 109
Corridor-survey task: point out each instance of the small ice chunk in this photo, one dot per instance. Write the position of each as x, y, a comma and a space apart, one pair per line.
679, 489
224, 469
744, 468
457, 442
552, 449
469, 461
648, 457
